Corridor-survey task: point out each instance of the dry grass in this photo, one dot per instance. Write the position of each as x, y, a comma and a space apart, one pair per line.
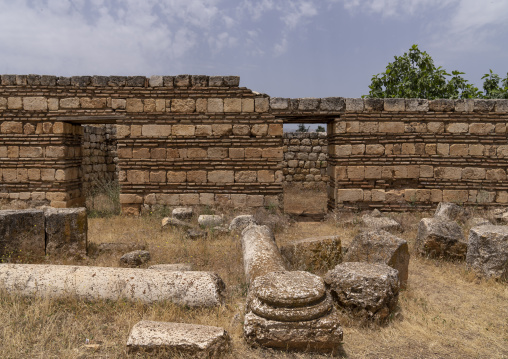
444, 313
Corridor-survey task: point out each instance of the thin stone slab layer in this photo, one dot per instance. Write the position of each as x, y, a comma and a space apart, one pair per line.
487, 251
22, 234
198, 341
193, 289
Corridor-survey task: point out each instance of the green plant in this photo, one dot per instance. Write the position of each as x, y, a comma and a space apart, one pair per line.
320, 129
492, 87
302, 128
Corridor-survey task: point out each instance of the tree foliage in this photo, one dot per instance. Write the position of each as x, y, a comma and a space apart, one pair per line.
320, 129
302, 128
414, 75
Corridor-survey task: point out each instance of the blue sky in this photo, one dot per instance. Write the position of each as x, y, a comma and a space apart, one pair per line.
285, 48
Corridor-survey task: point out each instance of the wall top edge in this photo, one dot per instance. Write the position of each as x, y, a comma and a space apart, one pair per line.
339, 105
121, 81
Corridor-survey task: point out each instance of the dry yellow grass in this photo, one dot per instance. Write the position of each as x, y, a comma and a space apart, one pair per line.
444, 313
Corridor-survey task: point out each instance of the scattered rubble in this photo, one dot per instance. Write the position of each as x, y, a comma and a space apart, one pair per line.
182, 213
438, 238
135, 258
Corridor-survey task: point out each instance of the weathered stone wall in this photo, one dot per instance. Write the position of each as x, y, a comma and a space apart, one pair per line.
182, 140
99, 156
305, 157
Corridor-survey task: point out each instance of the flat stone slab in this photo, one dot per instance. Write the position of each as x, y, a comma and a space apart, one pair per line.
66, 231
438, 238
210, 220
313, 254
366, 290
193, 289
198, 341
381, 247
384, 223
319, 335
22, 234
182, 213
173, 267
487, 251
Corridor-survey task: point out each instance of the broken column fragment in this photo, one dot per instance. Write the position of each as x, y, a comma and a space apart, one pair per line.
193, 289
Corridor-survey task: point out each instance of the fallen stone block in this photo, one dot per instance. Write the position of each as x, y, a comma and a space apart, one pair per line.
173, 267
313, 254
22, 234
194, 233
182, 213
66, 231
446, 211
384, 223
135, 258
210, 220
239, 223
193, 289
381, 247
291, 310
198, 341
487, 251
367, 291
173, 222
438, 238
260, 252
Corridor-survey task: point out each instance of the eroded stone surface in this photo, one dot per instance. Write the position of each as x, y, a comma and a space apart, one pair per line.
260, 253
66, 231
172, 267
312, 254
194, 233
239, 223
135, 258
173, 222
385, 223
321, 335
193, 289
446, 211
368, 291
182, 213
22, 234
438, 238
210, 220
199, 341
381, 247
478, 221
487, 251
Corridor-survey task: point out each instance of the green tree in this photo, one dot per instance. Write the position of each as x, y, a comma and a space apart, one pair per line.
302, 128
414, 75
492, 87
320, 129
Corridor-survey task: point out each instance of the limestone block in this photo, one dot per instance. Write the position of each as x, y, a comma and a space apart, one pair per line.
464, 105
313, 254
156, 130
356, 172
391, 127
21, 234
232, 81
179, 267
501, 106
176, 176
259, 130
69, 103
395, 104
487, 251
141, 152
456, 196
232, 105
247, 105
349, 195
457, 127
369, 291
381, 247
193, 289
438, 238
241, 130
442, 105
132, 105
266, 176
192, 340
473, 173
135, 258
183, 105
483, 105
137, 176
117, 104
14, 103
35, 104
9, 127
3, 103
375, 149
203, 130
196, 176
222, 130
215, 105
497, 174
66, 232
354, 105
417, 105
261, 104
448, 172
481, 128
245, 176
90, 103
476, 150
156, 81
374, 104
236, 153
380, 223
308, 104
279, 103
210, 220
443, 149
184, 130
435, 127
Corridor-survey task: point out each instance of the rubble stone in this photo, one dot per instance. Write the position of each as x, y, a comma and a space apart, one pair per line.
381, 247
438, 238
450, 212
198, 341
182, 213
384, 223
135, 258
313, 254
22, 234
366, 290
210, 220
487, 251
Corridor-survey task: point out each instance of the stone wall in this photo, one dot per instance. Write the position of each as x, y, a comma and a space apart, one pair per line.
305, 157
98, 164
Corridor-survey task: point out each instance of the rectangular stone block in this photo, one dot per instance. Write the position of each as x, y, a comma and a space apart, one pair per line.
156, 130
215, 105
349, 195
354, 105
35, 104
66, 232
262, 104
22, 234
417, 105
221, 176
232, 105
187, 105
455, 196
69, 103
395, 104
247, 105
391, 127
132, 105
184, 130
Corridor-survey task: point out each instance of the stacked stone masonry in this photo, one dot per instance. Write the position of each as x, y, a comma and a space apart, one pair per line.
181, 140
189, 140
99, 156
305, 157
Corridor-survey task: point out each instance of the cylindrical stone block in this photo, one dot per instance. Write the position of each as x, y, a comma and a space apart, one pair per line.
193, 289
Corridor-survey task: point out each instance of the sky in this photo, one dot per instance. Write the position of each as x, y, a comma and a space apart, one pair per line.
284, 48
